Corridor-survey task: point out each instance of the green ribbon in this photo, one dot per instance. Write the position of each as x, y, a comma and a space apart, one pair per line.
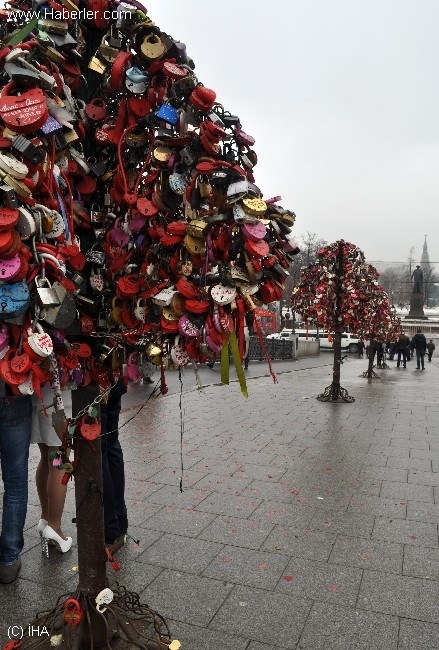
238, 364
18, 37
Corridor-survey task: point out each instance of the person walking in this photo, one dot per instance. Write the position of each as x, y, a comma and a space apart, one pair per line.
430, 349
15, 433
402, 345
360, 347
419, 343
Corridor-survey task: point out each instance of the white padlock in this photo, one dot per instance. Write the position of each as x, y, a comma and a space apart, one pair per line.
104, 597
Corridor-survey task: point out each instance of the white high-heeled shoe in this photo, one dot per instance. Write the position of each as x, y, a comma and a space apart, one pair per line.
62, 545
42, 525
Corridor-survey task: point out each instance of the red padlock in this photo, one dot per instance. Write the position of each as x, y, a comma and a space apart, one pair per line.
73, 614
96, 110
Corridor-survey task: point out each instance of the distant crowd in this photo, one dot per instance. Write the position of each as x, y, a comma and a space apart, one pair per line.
404, 350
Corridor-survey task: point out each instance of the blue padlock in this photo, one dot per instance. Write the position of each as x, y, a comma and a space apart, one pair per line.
168, 114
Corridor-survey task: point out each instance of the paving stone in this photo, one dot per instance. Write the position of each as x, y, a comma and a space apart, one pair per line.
295, 515
377, 506
269, 473
171, 496
405, 531
415, 635
321, 581
423, 511
179, 521
224, 483
367, 554
330, 627
387, 450
228, 504
344, 523
400, 595
180, 553
283, 491
171, 476
407, 491
237, 532
304, 543
383, 473
169, 595
262, 616
421, 562
200, 638
410, 463
252, 568
423, 478
21, 600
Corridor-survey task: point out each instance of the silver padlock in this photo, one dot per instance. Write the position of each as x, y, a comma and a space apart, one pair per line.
102, 319
62, 315
96, 216
46, 294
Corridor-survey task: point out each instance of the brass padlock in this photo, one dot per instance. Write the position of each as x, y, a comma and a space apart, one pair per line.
46, 294
97, 65
106, 51
96, 215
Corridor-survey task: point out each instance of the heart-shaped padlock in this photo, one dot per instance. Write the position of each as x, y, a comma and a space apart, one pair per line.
24, 113
96, 110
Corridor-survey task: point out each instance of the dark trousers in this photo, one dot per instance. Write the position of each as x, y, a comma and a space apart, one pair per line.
430, 354
420, 358
403, 354
113, 472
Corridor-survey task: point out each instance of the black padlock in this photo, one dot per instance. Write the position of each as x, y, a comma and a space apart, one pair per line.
99, 168
9, 196
29, 151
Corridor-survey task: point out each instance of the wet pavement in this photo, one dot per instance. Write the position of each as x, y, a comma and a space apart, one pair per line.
301, 526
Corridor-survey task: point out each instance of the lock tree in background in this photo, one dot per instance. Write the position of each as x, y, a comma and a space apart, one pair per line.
340, 292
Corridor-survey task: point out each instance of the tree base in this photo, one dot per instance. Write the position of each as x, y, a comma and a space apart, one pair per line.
125, 624
370, 374
383, 366
335, 393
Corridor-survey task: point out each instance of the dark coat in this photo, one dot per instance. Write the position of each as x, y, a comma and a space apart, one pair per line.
419, 342
403, 342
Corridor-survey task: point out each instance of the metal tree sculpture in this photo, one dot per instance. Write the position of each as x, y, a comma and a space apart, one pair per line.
338, 292
382, 324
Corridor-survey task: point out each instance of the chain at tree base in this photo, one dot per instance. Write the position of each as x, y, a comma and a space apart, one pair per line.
129, 624
370, 374
335, 393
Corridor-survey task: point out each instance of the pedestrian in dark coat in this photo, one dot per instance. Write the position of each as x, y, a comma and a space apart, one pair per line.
430, 349
402, 345
419, 343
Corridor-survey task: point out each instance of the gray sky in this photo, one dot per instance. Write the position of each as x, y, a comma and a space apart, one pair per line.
342, 98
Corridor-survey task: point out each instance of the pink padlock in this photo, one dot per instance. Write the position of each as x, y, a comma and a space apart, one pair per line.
132, 368
254, 231
118, 235
9, 268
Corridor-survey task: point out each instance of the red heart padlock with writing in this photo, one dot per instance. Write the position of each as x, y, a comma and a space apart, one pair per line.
24, 113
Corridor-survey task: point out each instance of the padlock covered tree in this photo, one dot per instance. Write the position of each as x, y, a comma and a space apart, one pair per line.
340, 292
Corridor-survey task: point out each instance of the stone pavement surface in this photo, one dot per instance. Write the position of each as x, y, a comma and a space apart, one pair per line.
302, 525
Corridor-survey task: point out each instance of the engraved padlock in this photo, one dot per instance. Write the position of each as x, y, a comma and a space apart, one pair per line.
96, 216
46, 294
96, 280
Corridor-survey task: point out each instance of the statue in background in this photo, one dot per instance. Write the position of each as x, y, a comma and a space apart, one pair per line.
418, 279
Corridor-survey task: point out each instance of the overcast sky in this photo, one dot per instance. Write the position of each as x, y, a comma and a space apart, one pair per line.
342, 98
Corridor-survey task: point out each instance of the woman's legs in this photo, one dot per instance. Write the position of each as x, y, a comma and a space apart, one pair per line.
51, 491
